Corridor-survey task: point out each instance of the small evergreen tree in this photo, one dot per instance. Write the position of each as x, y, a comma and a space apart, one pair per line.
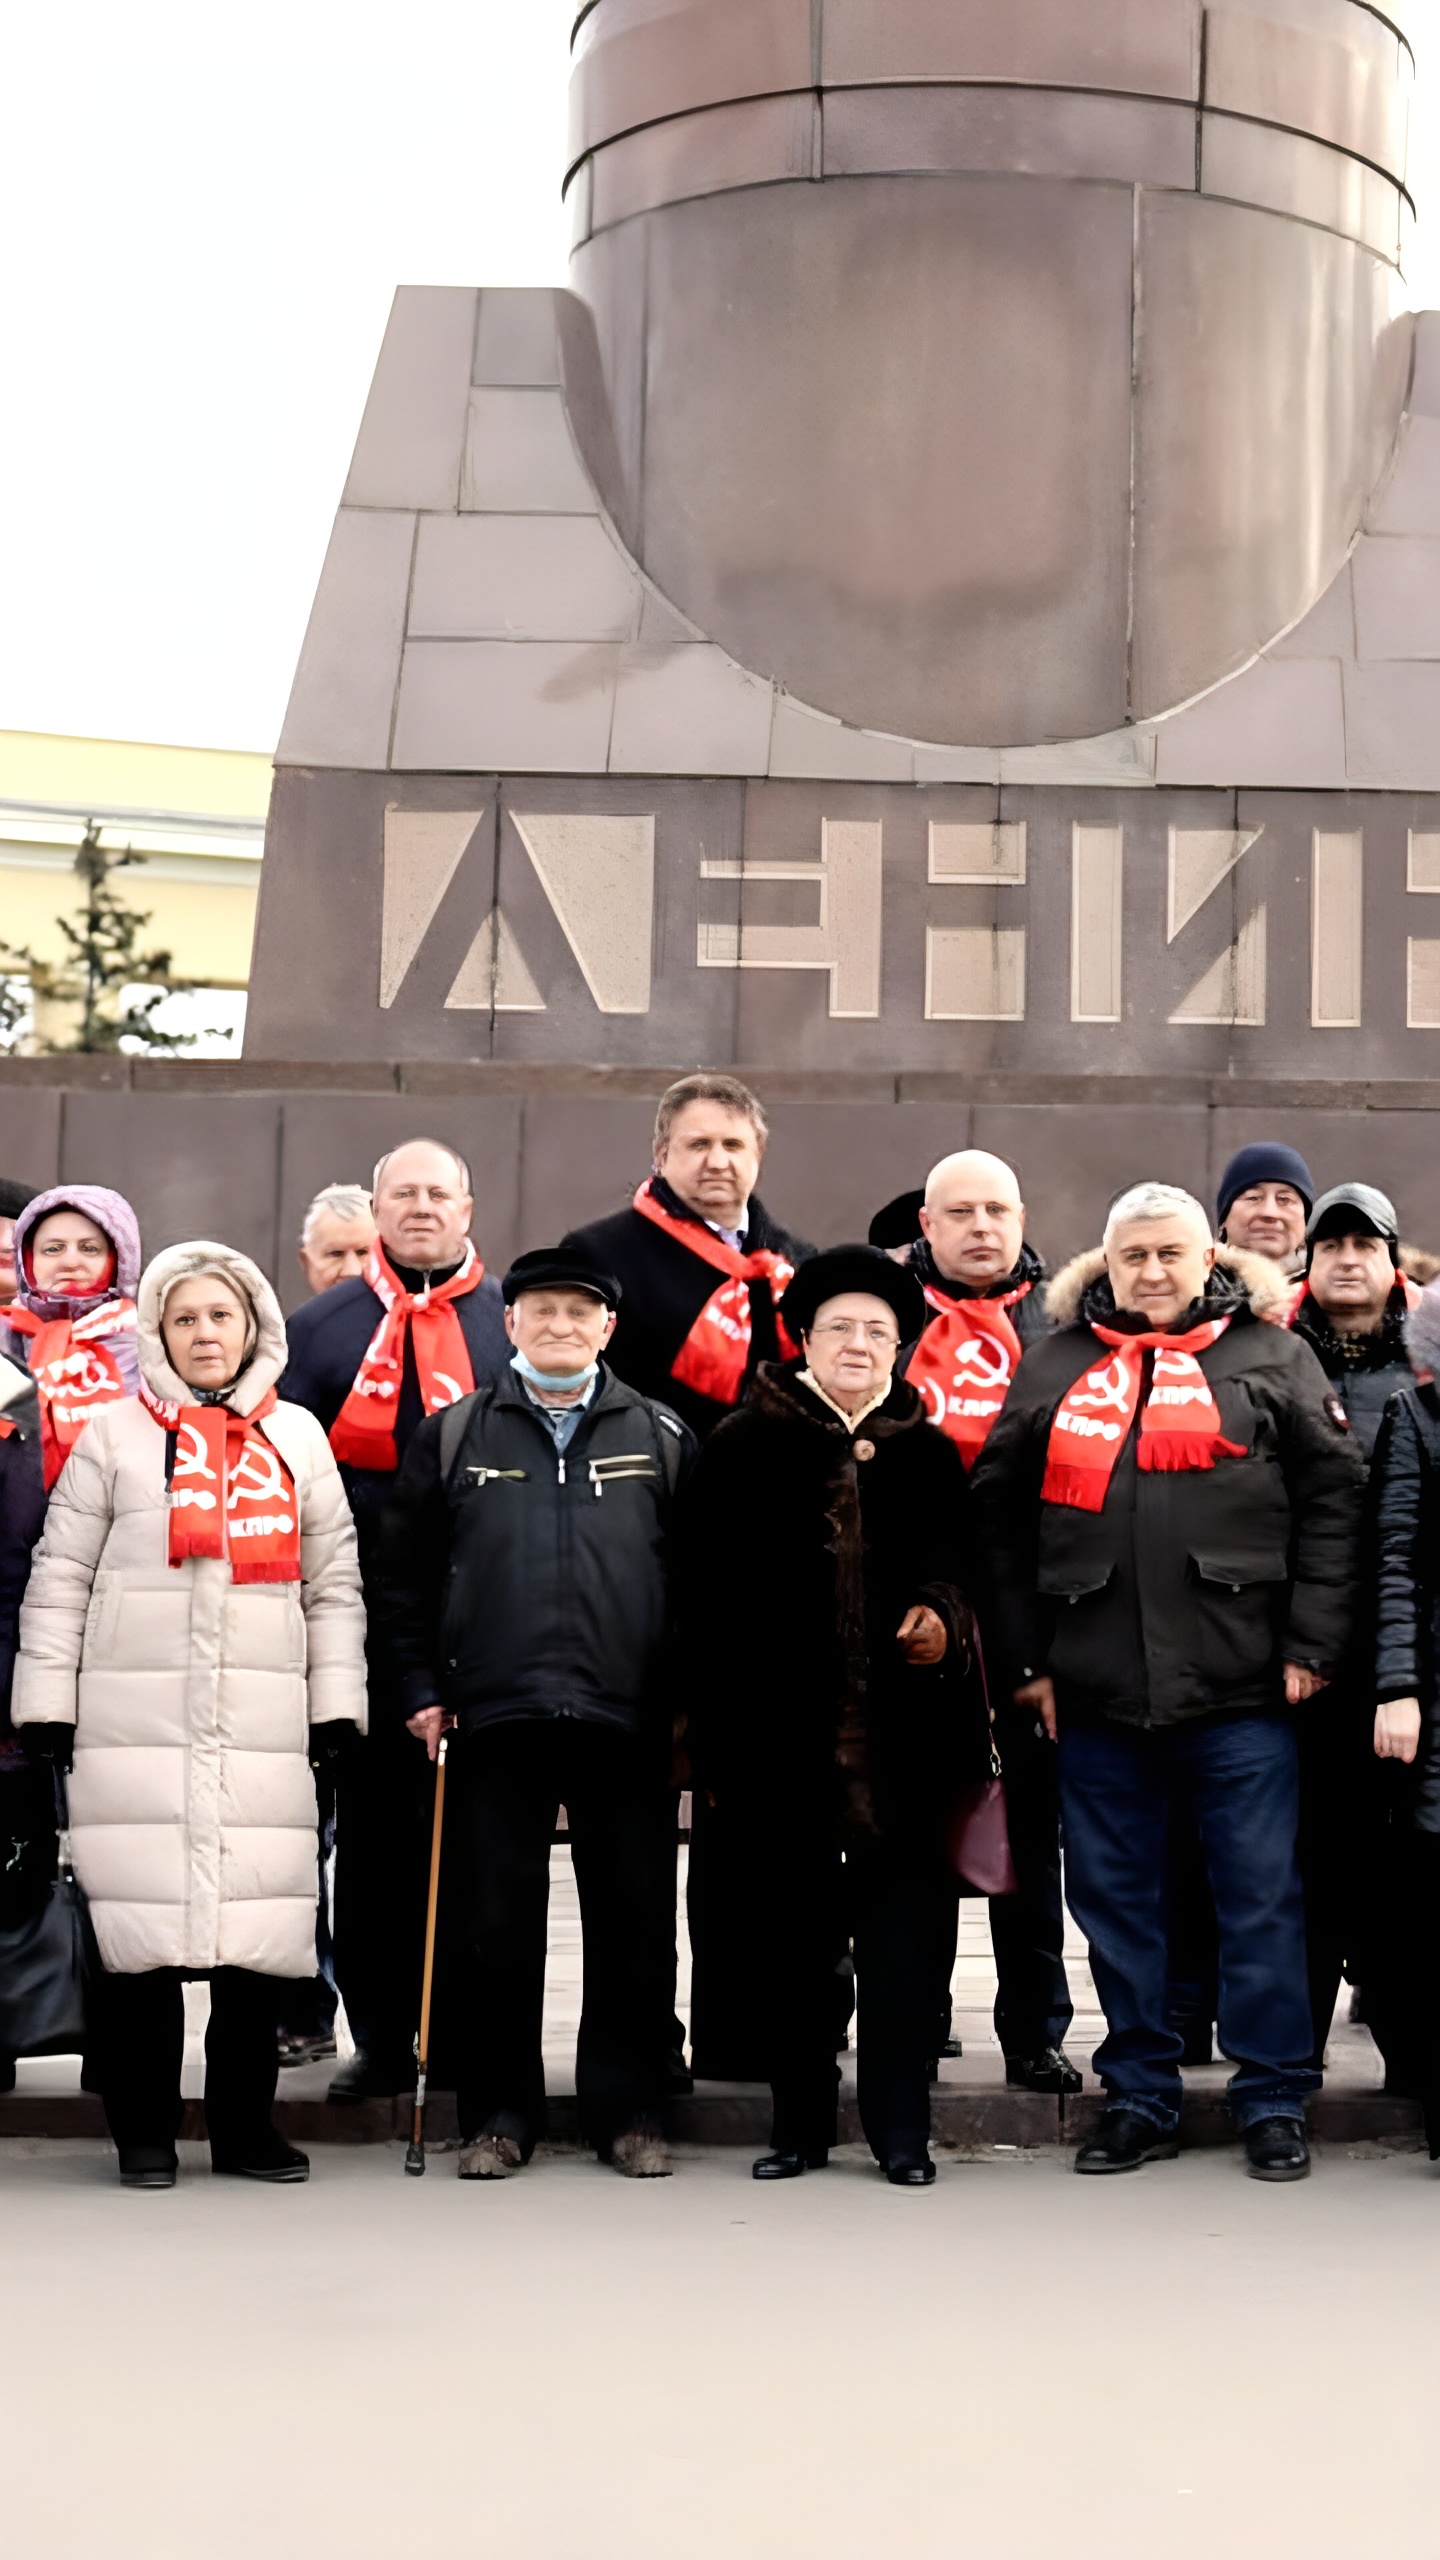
103, 957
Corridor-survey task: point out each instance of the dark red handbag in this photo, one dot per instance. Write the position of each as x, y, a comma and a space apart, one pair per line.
978, 1839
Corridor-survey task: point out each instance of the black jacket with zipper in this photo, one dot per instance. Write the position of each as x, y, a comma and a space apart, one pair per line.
516, 1582
1405, 1486
1186, 1594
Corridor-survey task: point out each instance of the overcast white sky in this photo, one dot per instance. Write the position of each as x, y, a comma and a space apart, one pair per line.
204, 213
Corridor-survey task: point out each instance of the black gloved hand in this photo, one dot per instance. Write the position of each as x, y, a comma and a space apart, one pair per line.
50, 1746
333, 1742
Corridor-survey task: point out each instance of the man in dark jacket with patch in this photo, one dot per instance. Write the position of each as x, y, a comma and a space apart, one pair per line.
1352, 1312
985, 1304
702, 1264
523, 1594
1173, 1514
370, 1358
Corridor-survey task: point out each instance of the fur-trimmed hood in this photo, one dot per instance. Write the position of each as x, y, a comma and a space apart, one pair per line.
1260, 1283
266, 1362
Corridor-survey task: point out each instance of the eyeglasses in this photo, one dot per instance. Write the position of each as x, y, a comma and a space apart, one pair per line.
879, 1336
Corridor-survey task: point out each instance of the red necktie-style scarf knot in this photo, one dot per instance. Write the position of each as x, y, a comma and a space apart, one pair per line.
231, 1495
363, 1432
714, 1358
75, 1376
963, 1365
1179, 1427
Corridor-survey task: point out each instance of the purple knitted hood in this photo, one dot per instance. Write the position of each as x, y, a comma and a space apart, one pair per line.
118, 1220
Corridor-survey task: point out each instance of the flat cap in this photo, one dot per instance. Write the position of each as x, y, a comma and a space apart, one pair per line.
1351, 1209
555, 1267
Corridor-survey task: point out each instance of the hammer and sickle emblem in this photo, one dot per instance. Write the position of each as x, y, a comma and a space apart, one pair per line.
256, 1476
985, 1370
190, 1454
1109, 1386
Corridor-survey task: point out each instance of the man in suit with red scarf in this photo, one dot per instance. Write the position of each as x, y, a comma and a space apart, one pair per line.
371, 1358
985, 1304
1173, 1513
703, 1266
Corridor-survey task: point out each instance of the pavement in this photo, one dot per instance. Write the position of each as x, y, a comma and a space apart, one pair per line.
1013, 2364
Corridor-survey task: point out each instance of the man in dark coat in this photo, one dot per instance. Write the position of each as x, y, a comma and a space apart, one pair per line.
703, 1266
985, 1304
1352, 1311
836, 1718
370, 1358
523, 1593
1173, 1514
1404, 1983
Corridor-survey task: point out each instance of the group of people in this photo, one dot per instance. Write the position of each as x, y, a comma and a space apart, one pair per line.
830, 1540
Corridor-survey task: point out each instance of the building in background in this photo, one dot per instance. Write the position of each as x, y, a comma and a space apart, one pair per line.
197, 817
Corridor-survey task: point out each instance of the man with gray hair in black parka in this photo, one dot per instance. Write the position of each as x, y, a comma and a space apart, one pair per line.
1173, 1514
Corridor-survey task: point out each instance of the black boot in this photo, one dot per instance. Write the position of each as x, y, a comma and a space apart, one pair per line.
147, 2164
788, 2164
267, 2156
1124, 2139
1050, 2073
1276, 2149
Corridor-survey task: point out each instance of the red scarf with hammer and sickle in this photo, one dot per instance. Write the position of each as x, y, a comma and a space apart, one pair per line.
363, 1431
231, 1493
963, 1364
715, 1354
1179, 1428
74, 1374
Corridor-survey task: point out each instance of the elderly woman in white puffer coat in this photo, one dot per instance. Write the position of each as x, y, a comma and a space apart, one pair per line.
194, 1627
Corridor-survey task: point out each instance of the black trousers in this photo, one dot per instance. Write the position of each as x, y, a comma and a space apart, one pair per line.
142, 2046
896, 1895
1033, 2007
512, 1780
384, 1799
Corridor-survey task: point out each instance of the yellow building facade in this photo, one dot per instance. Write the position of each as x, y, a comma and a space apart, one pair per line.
195, 814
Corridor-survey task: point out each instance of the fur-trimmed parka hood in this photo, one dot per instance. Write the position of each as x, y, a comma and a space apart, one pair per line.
266, 1361
1244, 1278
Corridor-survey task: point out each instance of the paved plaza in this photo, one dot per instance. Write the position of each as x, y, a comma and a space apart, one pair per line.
1017, 2364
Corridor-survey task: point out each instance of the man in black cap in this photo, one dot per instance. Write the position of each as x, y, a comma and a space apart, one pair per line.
1352, 1312
1263, 1202
523, 1597
834, 1727
1354, 1303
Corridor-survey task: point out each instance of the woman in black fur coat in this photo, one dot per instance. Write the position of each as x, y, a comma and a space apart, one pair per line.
833, 1717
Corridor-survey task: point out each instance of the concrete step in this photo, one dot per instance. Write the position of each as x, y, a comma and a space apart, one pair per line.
725, 2112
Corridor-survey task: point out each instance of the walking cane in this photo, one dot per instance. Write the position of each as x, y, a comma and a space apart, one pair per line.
415, 2156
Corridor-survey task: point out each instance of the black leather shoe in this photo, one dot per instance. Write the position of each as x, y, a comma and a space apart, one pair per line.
275, 2163
1124, 2139
368, 2075
911, 2173
788, 2164
1050, 2073
7, 2074
1276, 2148
145, 2164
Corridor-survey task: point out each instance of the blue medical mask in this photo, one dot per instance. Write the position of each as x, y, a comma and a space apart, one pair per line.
547, 1378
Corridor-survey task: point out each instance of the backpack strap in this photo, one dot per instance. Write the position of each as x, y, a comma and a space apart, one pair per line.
454, 1423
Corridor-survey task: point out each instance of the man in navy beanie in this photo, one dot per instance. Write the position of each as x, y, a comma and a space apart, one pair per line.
1266, 1194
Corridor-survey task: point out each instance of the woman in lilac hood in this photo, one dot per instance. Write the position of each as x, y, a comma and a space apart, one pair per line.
67, 1349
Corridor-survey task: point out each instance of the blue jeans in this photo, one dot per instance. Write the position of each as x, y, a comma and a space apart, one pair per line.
1240, 1781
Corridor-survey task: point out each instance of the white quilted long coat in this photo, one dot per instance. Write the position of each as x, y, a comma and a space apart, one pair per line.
192, 1805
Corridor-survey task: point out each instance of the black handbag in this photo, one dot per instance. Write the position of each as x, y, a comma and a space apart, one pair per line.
48, 1965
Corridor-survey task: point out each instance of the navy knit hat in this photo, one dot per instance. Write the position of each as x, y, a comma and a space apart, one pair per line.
1266, 1161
